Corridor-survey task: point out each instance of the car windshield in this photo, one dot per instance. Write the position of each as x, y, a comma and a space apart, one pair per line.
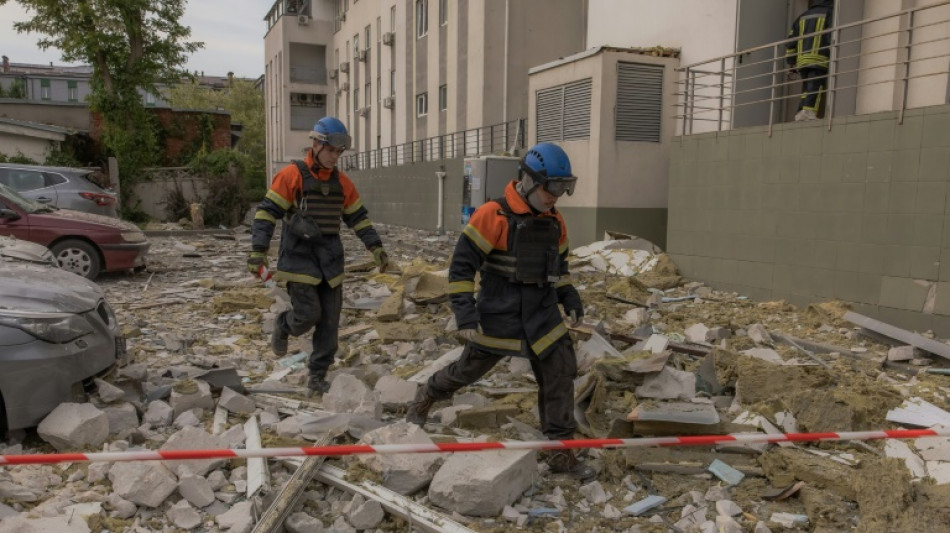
25, 204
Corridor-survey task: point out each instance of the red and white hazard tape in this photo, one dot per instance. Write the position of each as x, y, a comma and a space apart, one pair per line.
362, 449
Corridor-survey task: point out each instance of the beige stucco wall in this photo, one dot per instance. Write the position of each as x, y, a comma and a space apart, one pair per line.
35, 149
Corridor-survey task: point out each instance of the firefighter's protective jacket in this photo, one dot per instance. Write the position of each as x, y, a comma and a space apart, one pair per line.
810, 50
329, 196
516, 318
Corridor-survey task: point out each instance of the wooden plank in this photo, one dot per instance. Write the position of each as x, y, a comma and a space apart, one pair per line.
272, 521
691, 468
420, 516
894, 332
257, 474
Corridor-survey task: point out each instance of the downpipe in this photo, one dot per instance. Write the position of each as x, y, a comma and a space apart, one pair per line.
440, 227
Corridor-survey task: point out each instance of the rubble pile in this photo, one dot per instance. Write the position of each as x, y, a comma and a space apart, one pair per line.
658, 356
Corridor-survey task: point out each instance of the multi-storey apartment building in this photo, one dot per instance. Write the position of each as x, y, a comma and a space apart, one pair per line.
397, 71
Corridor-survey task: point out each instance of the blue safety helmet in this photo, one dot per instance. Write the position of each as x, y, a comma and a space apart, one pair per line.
548, 165
329, 130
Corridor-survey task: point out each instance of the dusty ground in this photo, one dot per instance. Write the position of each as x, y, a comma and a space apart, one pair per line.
195, 292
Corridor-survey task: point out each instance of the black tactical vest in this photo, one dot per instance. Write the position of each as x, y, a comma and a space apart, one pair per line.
321, 201
532, 255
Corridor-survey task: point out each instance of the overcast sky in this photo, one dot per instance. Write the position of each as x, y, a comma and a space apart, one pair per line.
232, 30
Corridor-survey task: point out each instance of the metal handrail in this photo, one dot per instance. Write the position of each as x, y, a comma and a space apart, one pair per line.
495, 138
711, 90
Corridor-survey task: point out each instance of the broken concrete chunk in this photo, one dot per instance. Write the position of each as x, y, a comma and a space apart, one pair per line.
196, 489
367, 515
72, 426
123, 419
189, 394
901, 353
919, 413
394, 392
145, 483
235, 402
183, 515
728, 508
488, 417
644, 505
592, 350
760, 335
158, 414
766, 354
350, 395
303, 523
483, 483
402, 473
108, 392
193, 438
238, 519
725, 472
898, 449
696, 333
669, 384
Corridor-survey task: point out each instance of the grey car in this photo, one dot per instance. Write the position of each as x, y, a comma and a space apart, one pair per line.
63, 187
57, 333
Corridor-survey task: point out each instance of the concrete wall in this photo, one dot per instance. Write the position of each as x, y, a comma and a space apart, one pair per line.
66, 115
858, 213
408, 195
33, 147
153, 193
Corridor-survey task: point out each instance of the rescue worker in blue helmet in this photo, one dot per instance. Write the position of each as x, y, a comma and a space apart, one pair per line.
519, 245
810, 53
312, 196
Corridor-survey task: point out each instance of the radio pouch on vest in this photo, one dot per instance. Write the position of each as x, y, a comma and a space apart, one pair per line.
300, 224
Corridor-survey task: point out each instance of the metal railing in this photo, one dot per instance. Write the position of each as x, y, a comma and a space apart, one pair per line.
902, 53
496, 138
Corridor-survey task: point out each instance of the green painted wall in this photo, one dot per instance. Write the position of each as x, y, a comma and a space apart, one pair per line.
858, 213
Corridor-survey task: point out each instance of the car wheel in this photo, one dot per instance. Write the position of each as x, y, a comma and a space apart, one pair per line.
78, 257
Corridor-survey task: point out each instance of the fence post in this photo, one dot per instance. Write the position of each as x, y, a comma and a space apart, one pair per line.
722, 89
775, 60
113, 164
833, 76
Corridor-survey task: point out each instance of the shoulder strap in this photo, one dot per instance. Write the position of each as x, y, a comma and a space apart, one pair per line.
505, 208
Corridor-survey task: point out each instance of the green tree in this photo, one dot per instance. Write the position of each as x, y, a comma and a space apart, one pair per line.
246, 105
132, 45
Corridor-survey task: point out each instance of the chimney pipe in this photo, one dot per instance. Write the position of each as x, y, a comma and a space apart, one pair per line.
6, 64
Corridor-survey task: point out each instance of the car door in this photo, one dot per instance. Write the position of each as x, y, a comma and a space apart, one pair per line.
14, 227
32, 184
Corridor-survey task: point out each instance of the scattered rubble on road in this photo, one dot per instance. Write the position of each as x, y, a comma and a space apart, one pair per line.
660, 356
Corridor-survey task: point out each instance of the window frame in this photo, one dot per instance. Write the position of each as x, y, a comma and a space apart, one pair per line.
443, 97
443, 12
72, 91
422, 104
46, 92
422, 18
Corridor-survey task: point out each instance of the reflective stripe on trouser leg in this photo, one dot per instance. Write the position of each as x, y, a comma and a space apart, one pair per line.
813, 85
327, 331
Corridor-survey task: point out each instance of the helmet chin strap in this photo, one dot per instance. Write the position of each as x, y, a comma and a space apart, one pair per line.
316, 156
530, 191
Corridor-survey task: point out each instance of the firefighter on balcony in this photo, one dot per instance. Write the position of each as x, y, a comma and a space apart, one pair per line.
311, 197
519, 243
808, 55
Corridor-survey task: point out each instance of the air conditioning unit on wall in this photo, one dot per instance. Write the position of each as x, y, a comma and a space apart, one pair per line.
344, 67
303, 20
345, 86
363, 111
389, 102
333, 74
389, 38
362, 55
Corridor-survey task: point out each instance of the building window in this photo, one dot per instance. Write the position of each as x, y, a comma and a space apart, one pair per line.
392, 82
564, 112
422, 18
356, 46
443, 12
369, 93
368, 36
443, 97
149, 99
639, 115
356, 99
422, 104
392, 19
379, 30
72, 91
44, 89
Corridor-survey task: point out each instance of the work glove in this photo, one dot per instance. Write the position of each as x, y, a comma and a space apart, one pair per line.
381, 258
466, 335
573, 319
255, 261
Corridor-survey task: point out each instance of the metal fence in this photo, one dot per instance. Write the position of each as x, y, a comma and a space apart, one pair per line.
474, 142
875, 65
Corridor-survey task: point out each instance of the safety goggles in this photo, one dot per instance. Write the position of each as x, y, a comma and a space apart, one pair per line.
559, 186
340, 141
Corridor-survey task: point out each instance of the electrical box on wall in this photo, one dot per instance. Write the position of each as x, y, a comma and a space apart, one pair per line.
485, 178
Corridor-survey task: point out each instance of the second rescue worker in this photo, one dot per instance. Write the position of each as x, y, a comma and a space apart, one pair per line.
519, 242
809, 55
312, 196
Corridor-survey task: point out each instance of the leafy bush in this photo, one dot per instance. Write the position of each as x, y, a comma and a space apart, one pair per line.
176, 205
18, 158
223, 172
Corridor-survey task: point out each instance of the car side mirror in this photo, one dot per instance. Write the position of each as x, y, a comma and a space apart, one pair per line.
9, 214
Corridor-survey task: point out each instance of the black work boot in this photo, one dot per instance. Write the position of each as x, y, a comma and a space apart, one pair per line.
318, 384
278, 341
566, 462
418, 411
